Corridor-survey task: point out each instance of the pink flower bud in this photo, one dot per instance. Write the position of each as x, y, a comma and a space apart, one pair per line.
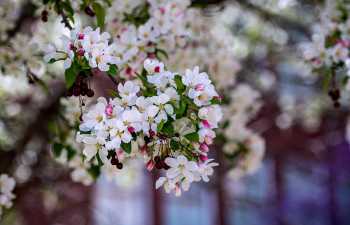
200, 87
152, 56
346, 44
203, 158
162, 10
150, 165
177, 190
336, 41
317, 62
131, 129
118, 36
157, 69
71, 47
142, 58
123, 29
218, 98
114, 21
195, 145
109, 110
144, 149
149, 43
204, 147
95, 72
208, 140
80, 52
206, 124
152, 133
81, 36
128, 70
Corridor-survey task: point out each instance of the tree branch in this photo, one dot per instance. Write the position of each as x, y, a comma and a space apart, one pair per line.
113, 79
64, 16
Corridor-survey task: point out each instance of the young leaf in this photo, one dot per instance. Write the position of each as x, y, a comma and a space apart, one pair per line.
163, 52
169, 129
95, 172
176, 110
126, 147
67, 7
69, 75
100, 13
113, 70
77, 68
108, 3
57, 149
70, 152
160, 125
326, 81
192, 137
182, 107
179, 84
70, 16
143, 79
215, 101
174, 145
114, 94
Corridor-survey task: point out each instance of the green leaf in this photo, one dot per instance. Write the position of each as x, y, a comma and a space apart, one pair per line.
95, 172
70, 152
51, 126
114, 94
70, 16
194, 124
182, 105
45, 1
52, 61
176, 110
113, 70
87, 72
110, 153
69, 75
143, 79
326, 81
126, 147
160, 125
178, 81
68, 8
77, 68
100, 163
215, 101
163, 52
345, 80
108, 3
169, 129
174, 145
100, 13
192, 137
57, 149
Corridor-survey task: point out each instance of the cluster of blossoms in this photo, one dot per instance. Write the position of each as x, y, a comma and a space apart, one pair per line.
244, 148
85, 49
163, 28
330, 52
7, 184
170, 125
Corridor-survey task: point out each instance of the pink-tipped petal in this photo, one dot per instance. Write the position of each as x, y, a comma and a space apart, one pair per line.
206, 124
144, 149
177, 190
208, 140
218, 98
204, 147
195, 145
150, 165
203, 158
200, 87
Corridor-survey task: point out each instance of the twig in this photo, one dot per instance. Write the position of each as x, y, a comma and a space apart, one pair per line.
113, 79
64, 16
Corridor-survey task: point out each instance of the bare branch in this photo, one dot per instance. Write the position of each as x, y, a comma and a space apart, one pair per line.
64, 16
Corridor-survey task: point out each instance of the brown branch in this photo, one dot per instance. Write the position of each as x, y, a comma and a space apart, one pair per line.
113, 79
64, 16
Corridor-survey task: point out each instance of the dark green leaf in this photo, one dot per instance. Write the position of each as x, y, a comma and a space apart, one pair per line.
70, 153
113, 70
180, 86
182, 105
95, 172
51, 126
87, 72
176, 110
77, 68
114, 94
45, 1
52, 61
169, 129
126, 147
57, 149
143, 79
192, 137
100, 13
160, 125
70, 16
110, 154
68, 8
174, 145
345, 80
215, 101
70, 75
163, 52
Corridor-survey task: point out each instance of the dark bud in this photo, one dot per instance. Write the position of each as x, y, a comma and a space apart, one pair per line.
120, 165
159, 165
84, 86
167, 167
177, 135
336, 104
83, 92
162, 164
157, 159
81, 117
83, 104
69, 93
44, 19
87, 10
147, 139
115, 161
114, 155
44, 13
77, 89
90, 93
76, 93
92, 14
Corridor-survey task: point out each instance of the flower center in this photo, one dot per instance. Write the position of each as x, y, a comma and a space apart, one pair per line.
161, 107
127, 93
127, 123
98, 146
99, 118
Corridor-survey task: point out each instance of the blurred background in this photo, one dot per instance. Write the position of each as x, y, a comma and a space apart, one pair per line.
304, 177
